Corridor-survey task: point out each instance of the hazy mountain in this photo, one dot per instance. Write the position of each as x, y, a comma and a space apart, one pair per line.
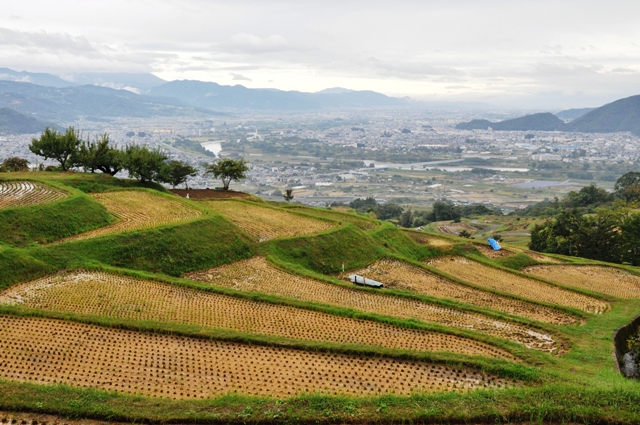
136, 82
68, 103
215, 96
34, 78
334, 90
621, 115
572, 114
14, 122
544, 121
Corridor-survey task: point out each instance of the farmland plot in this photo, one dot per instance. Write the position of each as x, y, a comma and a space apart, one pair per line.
427, 239
138, 210
45, 351
607, 280
264, 223
255, 274
396, 274
489, 252
105, 294
25, 193
500, 280
360, 223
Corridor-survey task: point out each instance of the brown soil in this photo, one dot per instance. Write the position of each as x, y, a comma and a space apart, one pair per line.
209, 194
257, 275
264, 223
487, 251
500, 280
45, 351
104, 294
607, 280
137, 210
24, 193
394, 274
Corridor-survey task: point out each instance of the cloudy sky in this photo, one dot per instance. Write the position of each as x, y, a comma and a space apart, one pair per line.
529, 54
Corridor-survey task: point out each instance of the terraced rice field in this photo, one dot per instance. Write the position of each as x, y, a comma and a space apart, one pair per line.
427, 239
255, 274
607, 280
503, 281
111, 295
264, 223
25, 193
542, 258
489, 252
396, 274
45, 351
360, 223
138, 210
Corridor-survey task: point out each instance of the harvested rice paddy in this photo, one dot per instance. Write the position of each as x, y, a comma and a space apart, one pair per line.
427, 239
45, 351
17, 193
359, 222
264, 223
111, 295
500, 280
255, 274
489, 252
396, 274
607, 280
138, 210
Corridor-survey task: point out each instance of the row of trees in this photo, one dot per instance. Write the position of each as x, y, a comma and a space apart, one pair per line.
147, 165
611, 234
441, 211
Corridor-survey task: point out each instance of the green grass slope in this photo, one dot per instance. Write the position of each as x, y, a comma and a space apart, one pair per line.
44, 223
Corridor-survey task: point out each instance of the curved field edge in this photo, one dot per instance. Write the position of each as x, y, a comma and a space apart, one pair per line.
527, 355
172, 249
553, 403
43, 223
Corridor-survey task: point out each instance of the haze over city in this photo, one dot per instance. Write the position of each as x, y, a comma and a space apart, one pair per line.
525, 54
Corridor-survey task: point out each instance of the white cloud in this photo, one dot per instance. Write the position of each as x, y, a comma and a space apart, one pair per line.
239, 77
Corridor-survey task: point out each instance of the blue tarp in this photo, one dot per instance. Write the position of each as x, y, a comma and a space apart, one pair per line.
494, 244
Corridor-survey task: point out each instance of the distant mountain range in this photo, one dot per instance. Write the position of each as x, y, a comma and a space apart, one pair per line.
69, 103
619, 116
572, 114
215, 96
13, 122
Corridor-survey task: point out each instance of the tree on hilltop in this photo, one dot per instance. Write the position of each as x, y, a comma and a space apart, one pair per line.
14, 164
59, 146
100, 155
288, 195
177, 172
628, 187
143, 163
227, 169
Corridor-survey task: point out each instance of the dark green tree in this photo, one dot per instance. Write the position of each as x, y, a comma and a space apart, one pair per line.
288, 195
143, 163
59, 146
177, 172
227, 170
100, 155
388, 211
14, 164
406, 218
627, 187
630, 240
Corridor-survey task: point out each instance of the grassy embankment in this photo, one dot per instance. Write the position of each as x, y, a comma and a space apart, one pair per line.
582, 386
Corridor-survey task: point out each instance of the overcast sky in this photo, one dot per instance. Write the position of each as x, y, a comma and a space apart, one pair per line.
528, 54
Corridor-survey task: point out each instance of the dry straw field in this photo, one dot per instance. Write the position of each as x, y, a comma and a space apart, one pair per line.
111, 295
396, 274
360, 223
25, 193
427, 239
138, 210
500, 280
607, 280
45, 351
255, 274
264, 223
489, 252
